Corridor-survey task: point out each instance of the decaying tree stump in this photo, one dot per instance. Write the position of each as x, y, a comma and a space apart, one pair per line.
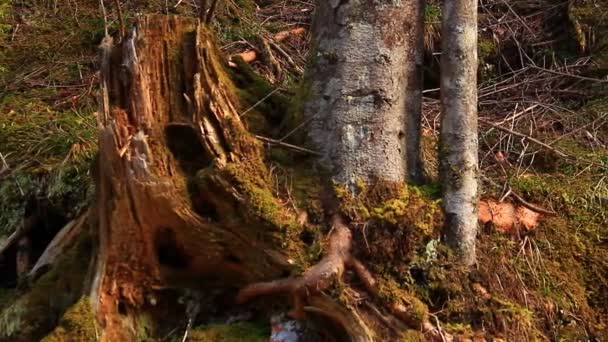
182, 189
169, 112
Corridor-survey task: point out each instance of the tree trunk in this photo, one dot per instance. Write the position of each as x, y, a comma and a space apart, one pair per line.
458, 147
365, 89
413, 90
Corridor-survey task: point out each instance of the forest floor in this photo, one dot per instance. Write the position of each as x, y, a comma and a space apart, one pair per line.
542, 272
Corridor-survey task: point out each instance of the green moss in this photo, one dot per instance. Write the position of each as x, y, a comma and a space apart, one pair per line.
486, 48
294, 116
77, 324
406, 206
242, 331
236, 21
514, 312
48, 150
146, 327
459, 328
411, 335
432, 13
391, 292
259, 195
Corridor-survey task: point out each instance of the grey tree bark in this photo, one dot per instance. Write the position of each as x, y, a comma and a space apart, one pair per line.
365, 89
413, 91
458, 147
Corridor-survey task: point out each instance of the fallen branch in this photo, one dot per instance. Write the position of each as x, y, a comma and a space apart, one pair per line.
525, 136
251, 55
546, 146
521, 200
531, 206
590, 79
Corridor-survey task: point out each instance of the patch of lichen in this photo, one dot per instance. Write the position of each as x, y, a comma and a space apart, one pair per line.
34, 313
77, 324
241, 331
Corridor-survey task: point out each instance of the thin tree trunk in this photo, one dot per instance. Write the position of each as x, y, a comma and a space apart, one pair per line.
364, 87
458, 147
413, 89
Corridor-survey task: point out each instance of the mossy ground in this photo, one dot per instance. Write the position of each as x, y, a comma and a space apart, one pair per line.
242, 331
77, 324
47, 126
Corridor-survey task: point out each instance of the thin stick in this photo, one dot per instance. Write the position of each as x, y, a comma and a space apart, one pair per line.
597, 80
211, 10
105, 17
531, 206
5, 166
536, 141
260, 101
295, 129
579, 129
123, 31
201, 11
286, 145
520, 199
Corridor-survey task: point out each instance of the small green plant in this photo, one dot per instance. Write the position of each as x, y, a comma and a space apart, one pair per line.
432, 13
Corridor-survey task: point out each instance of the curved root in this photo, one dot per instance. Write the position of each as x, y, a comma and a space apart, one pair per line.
337, 259
317, 278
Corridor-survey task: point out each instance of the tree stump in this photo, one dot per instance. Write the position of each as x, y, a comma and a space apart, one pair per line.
175, 164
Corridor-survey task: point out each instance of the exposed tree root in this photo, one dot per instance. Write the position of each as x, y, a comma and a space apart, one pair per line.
318, 277
307, 287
